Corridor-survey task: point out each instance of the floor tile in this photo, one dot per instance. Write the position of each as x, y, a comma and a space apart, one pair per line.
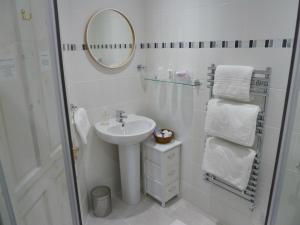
149, 212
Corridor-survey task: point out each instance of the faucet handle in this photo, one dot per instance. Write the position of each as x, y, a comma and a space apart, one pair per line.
120, 113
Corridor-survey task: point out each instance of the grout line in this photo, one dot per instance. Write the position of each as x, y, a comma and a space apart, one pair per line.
124, 76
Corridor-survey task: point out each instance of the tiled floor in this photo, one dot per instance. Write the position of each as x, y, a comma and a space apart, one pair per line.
149, 212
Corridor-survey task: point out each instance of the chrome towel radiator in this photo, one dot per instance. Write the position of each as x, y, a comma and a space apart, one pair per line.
260, 90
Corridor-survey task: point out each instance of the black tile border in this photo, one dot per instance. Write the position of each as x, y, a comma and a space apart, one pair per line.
266, 43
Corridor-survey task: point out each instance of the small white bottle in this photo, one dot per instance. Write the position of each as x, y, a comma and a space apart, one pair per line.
104, 118
160, 73
170, 72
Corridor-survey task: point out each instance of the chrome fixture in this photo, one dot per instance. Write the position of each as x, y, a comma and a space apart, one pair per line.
140, 67
73, 107
259, 88
120, 116
26, 16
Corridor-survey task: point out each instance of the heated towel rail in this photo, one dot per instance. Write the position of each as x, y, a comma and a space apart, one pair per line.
260, 89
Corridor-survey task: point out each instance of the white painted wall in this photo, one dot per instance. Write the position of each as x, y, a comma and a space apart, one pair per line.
98, 90
183, 108
178, 107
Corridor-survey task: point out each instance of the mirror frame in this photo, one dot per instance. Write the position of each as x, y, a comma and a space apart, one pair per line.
127, 60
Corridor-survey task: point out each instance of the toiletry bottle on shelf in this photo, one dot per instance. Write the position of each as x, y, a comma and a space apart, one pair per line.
160, 73
170, 72
104, 117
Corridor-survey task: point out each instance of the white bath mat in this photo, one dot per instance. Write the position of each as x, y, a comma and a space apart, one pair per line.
177, 222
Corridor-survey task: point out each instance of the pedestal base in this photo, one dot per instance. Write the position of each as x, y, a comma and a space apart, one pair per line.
129, 157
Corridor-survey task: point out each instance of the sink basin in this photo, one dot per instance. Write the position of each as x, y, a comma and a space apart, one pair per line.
136, 129
128, 138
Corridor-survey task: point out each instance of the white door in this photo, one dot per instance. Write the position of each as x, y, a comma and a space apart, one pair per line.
30, 149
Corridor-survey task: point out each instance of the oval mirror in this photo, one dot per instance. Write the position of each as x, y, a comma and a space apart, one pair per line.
110, 38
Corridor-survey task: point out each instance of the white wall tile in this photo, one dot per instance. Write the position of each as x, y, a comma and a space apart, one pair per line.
98, 89
274, 108
288, 213
179, 108
228, 215
219, 20
270, 145
275, 14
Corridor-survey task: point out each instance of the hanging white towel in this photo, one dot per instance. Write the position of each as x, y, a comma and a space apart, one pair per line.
235, 122
82, 124
228, 161
233, 82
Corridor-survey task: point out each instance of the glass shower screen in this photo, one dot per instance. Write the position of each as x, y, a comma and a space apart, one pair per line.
31, 148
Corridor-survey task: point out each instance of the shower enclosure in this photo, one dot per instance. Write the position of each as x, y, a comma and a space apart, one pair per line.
36, 185
285, 207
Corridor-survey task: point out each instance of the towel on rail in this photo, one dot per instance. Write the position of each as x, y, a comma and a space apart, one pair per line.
82, 124
235, 122
233, 82
230, 162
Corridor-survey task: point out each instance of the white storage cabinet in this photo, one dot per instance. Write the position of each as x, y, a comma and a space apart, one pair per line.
161, 169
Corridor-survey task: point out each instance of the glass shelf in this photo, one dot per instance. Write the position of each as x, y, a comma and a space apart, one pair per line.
193, 83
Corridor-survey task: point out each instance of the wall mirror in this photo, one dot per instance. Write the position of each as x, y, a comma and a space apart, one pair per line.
110, 38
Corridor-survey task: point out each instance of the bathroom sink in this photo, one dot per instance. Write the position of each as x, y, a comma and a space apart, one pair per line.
127, 135
136, 129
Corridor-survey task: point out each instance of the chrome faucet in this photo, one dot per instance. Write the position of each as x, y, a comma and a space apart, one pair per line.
120, 116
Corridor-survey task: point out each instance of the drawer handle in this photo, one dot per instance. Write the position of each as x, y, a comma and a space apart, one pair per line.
171, 173
171, 156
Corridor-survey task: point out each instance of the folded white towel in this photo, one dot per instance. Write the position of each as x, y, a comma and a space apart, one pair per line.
235, 122
82, 124
233, 82
228, 161
183, 75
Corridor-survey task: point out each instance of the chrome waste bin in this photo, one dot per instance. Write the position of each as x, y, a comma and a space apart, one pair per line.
101, 201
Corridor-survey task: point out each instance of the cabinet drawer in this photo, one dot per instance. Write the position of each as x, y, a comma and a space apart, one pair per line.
164, 175
171, 157
168, 158
152, 155
161, 192
171, 190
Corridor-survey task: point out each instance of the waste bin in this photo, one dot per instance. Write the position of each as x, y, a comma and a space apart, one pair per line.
101, 200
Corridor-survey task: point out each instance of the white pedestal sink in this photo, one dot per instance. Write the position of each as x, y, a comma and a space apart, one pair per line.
128, 138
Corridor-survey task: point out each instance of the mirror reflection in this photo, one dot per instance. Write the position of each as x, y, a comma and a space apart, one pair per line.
110, 38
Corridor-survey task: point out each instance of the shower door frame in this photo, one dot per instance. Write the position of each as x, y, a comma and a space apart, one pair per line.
64, 124
288, 118
7, 201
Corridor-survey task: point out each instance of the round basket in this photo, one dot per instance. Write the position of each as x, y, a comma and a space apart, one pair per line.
164, 140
